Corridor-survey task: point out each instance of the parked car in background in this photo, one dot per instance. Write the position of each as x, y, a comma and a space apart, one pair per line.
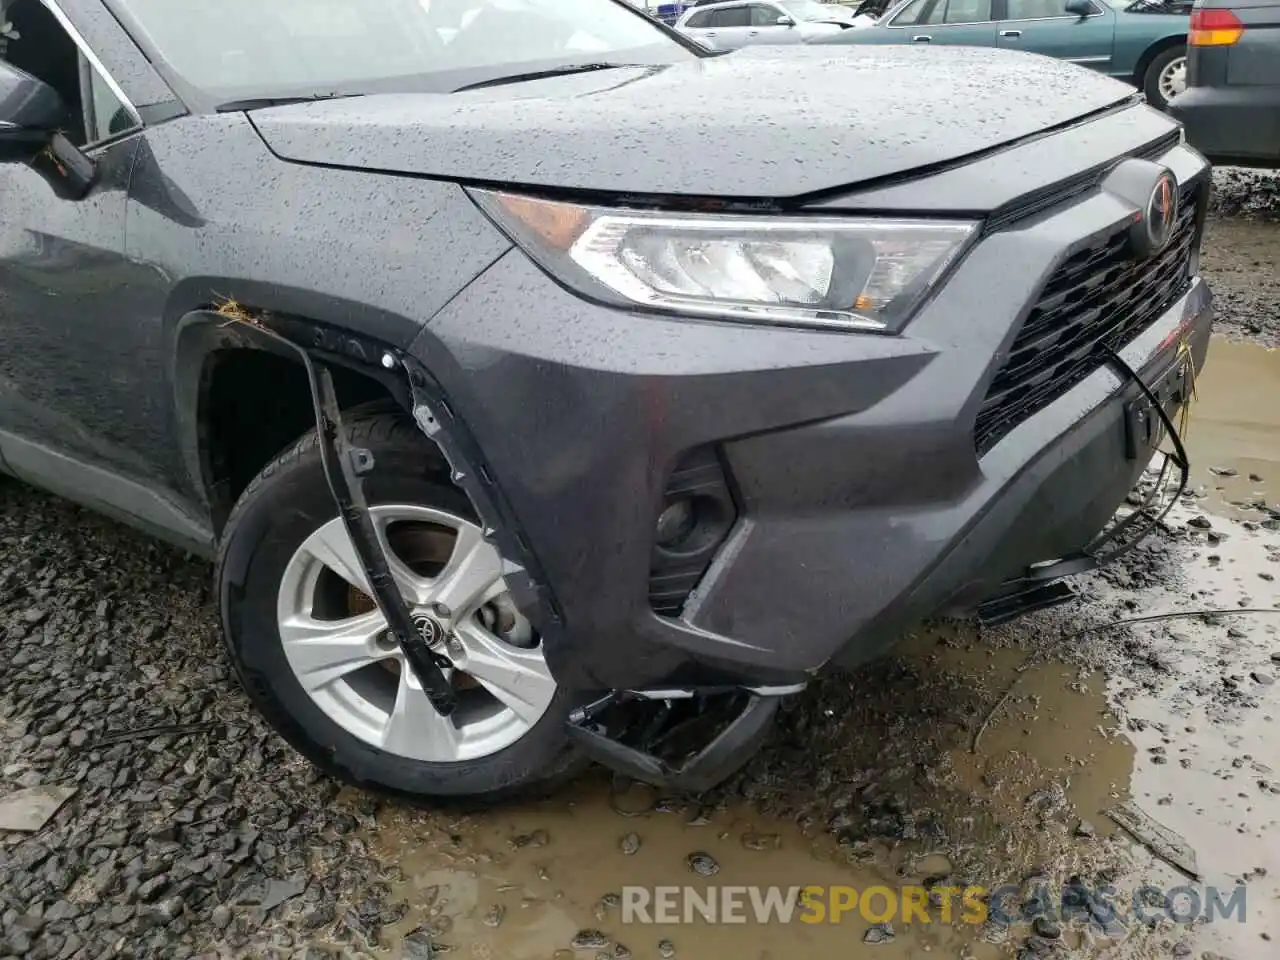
844, 14
1231, 107
1143, 43
728, 26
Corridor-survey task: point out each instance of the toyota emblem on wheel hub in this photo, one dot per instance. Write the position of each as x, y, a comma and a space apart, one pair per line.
430, 631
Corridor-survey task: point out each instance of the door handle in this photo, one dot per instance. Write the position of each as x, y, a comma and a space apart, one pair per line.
921, 38
1011, 34
754, 33
710, 33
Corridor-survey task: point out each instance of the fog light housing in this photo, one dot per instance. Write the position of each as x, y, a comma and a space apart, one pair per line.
697, 514
675, 523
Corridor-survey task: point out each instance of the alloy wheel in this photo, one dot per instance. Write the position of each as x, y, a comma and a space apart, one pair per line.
338, 646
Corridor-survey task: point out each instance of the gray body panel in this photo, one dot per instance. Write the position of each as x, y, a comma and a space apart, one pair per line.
1255, 60
863, 502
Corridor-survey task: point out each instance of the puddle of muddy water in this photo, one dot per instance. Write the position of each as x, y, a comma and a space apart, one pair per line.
1005, 812
547, 869
1207, 742
1234, 438
1207, 745
1201, 721
1172, 716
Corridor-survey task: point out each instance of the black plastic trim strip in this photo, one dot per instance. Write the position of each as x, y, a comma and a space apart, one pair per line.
343, 467
524, 576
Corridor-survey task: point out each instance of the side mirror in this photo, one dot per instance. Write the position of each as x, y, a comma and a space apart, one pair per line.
785, 21
1081, 8
30, 112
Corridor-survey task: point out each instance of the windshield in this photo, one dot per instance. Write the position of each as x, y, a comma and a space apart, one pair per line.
809, 10
260, 48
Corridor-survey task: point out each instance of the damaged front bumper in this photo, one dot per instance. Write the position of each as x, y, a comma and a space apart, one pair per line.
727, 724
859, 500
644, 729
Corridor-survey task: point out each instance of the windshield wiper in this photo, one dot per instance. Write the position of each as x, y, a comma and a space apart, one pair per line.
261, 103
542, 75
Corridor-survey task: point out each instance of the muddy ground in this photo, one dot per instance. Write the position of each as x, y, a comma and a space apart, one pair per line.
965, 757
1241, 257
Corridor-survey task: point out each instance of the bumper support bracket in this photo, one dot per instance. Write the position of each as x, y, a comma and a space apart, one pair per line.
344, 466
722, 756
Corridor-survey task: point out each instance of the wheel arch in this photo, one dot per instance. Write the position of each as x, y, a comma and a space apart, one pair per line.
1153, 51
202, 338
240, 396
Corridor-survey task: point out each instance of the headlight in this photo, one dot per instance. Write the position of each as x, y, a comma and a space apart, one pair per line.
798, 271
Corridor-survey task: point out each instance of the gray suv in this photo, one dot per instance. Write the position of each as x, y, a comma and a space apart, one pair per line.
530, 421
1231, 107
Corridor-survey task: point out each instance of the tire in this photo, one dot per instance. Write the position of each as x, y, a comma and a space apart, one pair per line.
1161, 62
280, 512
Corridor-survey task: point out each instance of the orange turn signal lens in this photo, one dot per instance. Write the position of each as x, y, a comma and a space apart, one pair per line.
559, 224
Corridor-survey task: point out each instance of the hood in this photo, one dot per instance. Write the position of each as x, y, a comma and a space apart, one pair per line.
759, 123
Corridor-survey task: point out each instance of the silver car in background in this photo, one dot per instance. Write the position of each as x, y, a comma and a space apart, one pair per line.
742, 23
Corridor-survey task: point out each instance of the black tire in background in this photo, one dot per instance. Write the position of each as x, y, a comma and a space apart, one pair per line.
283, 505
1157, 66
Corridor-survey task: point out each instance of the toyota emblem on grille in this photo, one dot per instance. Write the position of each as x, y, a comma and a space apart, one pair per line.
1151, 191
1160, 214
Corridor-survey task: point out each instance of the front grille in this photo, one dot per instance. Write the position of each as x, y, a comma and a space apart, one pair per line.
1100, 295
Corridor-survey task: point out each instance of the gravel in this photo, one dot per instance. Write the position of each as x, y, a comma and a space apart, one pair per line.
175, 842
1241, 192
1241, 258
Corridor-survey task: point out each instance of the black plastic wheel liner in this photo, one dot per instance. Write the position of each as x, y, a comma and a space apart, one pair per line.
411, 385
